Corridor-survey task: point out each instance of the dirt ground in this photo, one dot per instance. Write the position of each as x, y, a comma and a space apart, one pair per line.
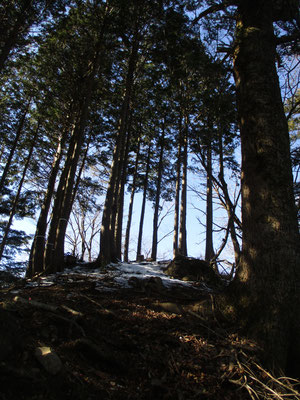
121, 344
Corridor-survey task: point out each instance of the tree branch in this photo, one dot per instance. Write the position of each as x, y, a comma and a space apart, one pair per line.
213, 9
287, 38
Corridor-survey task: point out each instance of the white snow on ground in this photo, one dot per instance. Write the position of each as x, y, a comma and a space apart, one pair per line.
113, 276
144, 271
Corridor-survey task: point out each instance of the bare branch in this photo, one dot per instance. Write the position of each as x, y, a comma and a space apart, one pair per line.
213, 9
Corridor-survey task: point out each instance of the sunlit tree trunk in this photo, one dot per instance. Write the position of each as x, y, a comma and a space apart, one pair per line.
267, 287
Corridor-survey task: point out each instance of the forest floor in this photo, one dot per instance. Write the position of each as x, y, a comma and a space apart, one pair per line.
102, 336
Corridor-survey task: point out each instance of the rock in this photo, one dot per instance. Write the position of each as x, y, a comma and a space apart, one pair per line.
70, 260
48, 359
154, 283
140, 257
185, 268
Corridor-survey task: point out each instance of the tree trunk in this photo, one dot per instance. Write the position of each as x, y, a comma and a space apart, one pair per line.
230, 208
268, 279
157, 194
35, 264
13, 36
121, 190
140, 236
130, 210
14, 146
15, 203
107, 236
209, 249
177, 190
54, 252
182, 247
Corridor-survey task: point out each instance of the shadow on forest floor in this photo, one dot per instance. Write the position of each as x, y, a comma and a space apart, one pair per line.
127, 343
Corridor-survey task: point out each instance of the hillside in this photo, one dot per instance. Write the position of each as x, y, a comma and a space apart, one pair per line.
128, 332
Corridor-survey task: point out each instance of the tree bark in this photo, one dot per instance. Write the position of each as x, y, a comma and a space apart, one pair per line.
267, 286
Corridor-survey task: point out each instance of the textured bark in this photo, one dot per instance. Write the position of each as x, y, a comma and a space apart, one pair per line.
267, 286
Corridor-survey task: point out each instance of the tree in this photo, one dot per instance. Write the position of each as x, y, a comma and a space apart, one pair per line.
265, 293
269, 270
17, 18
18, 194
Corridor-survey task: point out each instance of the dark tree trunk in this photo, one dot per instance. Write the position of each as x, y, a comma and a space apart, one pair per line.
107, 236
145, 189
131, 201
13, 147
54, 252
182, 247
230, 207
120, 208
177, 190
268, 279
209, 249
13, 35
16, 199
35, 264
157, 194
